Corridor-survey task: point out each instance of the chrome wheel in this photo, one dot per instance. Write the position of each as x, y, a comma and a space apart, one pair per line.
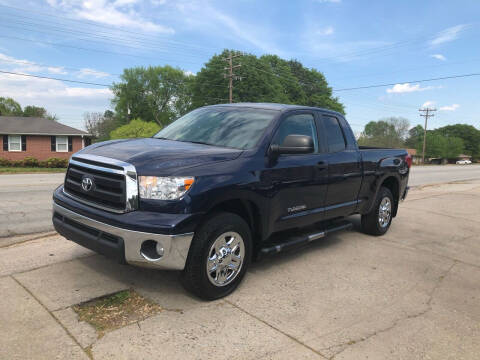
384, 212
225, 258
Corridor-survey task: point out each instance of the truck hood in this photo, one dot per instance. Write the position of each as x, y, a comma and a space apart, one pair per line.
153, 156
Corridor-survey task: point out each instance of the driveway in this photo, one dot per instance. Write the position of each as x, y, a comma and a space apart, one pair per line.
411, 294
25, 199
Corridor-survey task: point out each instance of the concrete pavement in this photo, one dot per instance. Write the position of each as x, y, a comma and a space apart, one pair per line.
411, 294
25, 199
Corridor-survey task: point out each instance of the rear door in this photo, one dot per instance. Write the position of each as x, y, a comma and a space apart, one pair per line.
298, 182
344, 168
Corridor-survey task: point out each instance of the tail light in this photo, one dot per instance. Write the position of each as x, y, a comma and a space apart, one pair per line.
408, 160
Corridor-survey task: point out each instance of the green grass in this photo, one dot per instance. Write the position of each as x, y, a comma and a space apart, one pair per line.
27, 170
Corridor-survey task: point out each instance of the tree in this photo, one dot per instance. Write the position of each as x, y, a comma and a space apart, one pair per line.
468, 133
265, 79
439, 146
34, 111
100, 125
9, 107
389, 132
160, 94
415, 135
137, 128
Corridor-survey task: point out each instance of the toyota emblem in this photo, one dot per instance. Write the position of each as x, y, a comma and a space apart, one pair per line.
87, 184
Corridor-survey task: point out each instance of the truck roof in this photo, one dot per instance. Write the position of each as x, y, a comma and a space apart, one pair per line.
275, 106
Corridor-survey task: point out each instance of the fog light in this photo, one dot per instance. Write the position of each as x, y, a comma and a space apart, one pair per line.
152, 250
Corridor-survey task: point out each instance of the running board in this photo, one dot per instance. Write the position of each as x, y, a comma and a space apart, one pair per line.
302, 239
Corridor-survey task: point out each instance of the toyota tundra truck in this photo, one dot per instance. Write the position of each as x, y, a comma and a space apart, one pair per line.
226, 184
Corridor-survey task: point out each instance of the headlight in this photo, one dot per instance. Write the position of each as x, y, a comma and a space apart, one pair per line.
164, 188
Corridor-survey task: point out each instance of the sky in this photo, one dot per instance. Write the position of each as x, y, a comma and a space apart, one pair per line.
354, 43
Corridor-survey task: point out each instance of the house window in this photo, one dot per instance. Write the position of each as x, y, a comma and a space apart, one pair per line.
14, 143
62, 143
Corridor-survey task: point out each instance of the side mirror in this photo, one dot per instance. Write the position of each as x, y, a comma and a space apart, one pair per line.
294, 144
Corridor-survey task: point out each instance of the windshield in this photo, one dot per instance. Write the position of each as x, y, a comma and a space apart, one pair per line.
238, 128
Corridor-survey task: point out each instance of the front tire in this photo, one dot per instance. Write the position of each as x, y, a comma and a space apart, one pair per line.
378, 220
219, 256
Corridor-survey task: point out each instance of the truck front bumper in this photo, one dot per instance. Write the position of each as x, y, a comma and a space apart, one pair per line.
134, 247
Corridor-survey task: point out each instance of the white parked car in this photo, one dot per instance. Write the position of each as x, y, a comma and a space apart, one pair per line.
463, 162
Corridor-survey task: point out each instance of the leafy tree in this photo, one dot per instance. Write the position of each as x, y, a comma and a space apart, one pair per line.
137, 128
468, 133
389, 132
415, 135
9, 107
439, 146
160, 94
34, 111
265, 79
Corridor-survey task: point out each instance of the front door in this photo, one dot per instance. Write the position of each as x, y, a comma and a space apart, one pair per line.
298, 182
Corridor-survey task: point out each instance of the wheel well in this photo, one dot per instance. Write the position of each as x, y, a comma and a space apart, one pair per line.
393, 185
247, 210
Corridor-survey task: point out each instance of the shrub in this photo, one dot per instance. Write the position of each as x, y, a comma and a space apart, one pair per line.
16, 163
30, 162
4, 162
56, 163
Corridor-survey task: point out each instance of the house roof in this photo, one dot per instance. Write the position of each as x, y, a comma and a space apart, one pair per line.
21, 125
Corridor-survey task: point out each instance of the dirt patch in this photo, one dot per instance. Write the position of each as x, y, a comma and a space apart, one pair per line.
117, 310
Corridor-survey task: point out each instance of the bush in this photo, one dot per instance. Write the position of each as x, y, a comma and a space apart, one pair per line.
16, 163
30, 162
4, 162
56, 163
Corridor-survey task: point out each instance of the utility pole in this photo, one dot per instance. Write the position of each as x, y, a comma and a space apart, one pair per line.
231, 76
426, 113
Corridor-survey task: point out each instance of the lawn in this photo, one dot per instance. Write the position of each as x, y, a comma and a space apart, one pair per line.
27, 170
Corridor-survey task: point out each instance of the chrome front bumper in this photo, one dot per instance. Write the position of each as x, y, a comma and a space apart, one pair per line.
175, 247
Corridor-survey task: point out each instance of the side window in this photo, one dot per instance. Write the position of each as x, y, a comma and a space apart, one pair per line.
300, 124
334, 134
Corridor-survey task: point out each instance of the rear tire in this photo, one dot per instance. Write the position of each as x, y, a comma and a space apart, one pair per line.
378, 220
219, 256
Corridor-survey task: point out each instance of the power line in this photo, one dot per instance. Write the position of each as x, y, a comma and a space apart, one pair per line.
89, 49
53, 78
33, 63
404, 82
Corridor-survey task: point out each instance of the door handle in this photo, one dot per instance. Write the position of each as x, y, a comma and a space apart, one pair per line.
321, 165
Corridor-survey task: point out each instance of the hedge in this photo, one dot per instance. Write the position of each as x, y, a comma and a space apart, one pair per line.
32, 162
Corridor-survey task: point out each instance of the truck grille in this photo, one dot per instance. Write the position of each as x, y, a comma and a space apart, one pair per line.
108, 185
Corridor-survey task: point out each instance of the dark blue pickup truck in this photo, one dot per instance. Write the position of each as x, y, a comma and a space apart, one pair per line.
223, 185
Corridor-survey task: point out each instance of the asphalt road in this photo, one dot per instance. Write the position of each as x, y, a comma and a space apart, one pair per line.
25, 199
410, 294
435, 174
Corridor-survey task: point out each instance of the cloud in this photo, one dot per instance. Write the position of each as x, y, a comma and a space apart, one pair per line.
87, 72
452, 107
329, 1
120, 13
407, 88
69, 102
428, 104
448, 34
438, 57
326, 31
26, 66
